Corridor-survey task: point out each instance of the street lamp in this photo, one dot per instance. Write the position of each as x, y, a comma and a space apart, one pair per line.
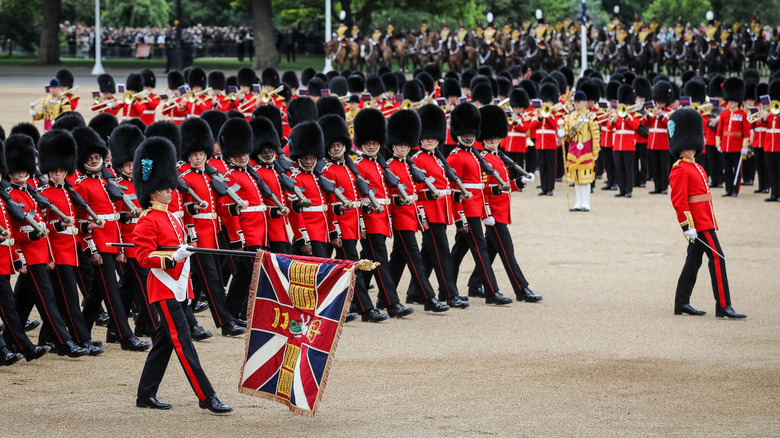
98, 68
328, 63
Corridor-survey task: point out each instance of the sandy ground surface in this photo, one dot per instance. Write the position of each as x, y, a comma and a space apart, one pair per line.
602, 355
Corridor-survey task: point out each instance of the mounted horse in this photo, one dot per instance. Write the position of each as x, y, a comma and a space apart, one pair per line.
640, 55
432, 49
342, 53
491, 54
455, 53
393, 47
369, 54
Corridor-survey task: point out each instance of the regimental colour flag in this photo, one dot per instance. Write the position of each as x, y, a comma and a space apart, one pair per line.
296, 310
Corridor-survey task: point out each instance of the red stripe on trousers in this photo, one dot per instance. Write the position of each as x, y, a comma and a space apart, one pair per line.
180, 352
718, 273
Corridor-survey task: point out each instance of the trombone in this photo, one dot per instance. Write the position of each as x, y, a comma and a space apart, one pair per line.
98, 105
265, 97
623, 110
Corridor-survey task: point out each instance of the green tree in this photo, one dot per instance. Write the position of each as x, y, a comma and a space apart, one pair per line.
669, 12
727, 11
49, 47
137, 13
20, 24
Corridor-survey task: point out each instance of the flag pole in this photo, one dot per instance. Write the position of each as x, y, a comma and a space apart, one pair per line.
583, 43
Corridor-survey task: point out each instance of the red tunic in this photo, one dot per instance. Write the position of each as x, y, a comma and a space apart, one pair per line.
498, 200
625, 134
35, 250
467, 167
7, 246
545, 132
691, 197
312, 221
438, 211
152, 102
376, 223
159, 228
277, 226
205, 220
659, 136
733, 131
709, 133
91, 188
404, 216
127, 223
62, 237
517, 137
175, 114
772, 134
346, 221
252, 219
135, 110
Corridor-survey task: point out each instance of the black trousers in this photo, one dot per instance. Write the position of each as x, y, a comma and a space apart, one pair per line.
500, 242
730, 164
406, 253
228, 264
519, 158
761, 168
640, 165
134, 280
474, 242
559, 157
749, 169
715, 165
659, 168
605, 157
374, 248
14, 329
624, 170
436, 257
531, 160
204, 270
106, 286
66, 292
348, 251
36, 288
547, 169
173, 335
717, 266
773, 167
280, 247
238, 292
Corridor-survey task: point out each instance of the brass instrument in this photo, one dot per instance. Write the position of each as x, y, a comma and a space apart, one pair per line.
504, 104
265, 97
774, 107
192, 96
344, 98
754, 117
129, 97
98, 105
406, 104
174, 103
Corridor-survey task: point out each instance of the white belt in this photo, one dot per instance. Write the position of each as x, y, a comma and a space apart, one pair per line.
8, 242
658, 130
211, 215
516, 134
148, 111
317, 208
546, 131
254, 208
71, 231
772, 131
760, 130
177, 118
625, 132
380, 201
108, 217
354, 204
478, 186
134, 220
28, 228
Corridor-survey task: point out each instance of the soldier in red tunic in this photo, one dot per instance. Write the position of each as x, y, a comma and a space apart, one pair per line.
152, 99
155, 175
692, 200
658, 140
175, 108
624, 127
772, 144
733, 134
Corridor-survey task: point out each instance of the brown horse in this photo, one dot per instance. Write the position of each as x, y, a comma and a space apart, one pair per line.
369, 54
455, 53
342, 53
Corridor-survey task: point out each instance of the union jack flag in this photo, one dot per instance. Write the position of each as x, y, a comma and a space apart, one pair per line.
296, 310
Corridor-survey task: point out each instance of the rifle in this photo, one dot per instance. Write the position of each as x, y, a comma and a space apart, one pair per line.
328, 185
81, 204
218, 183
115, 191
449, 172
489, 169
418, 175
288, 184
362, 185
184, 188
265, 190
392, 180
16, 210
511, 163
46, 204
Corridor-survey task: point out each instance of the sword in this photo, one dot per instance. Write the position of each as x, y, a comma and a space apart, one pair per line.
227, 252
739, 167
711, 248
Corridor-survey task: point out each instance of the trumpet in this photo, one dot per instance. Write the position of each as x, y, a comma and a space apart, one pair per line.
754, 117
504, 104
173, 104
623, 110
774, 107
265, 97
98, 105
192, 96
129, 97
69, 90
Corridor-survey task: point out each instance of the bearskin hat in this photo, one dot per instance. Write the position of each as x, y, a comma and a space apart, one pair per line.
149, 79
685, 131
167, 129
663, 93
612, 89
154, 168
774, 90
272, 113
626, 95
675, 91
270, 77
197, 78
355, 84
134, 83
466, 77
306, 75
434, 123
518, 98
332, 74
761, 89
384, 69
504, 85
464, 119
138, 123
643, 88
549, 93
334, 129
231, 80
175, 80
216, 80
245, 77
433, 69
734, 90
390, 82
482, 93
20, 154
403, 128
330, 105
715, 87
69, 121
196, 136
235, 137
400, 78
530, 88
28, 129
479, 79
57, 150
749, 74
568, 73
216, 118
235, 114
560, 79
315, 87
65, 77
375, 86
750, 90
264, 134
493, 123
537, 76
88, 142
370, 125
306, 139
290, 78
106, 83
123, 143
696, 89
339, 87
413, 91
301, 109
628, 77
104, 124
687, 76
450, 88
2, 136
427, 82
591, 90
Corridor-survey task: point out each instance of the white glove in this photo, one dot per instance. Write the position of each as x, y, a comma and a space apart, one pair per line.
32, 112
691, 234
441, 193
528, 179
181, 253
489, 221
744, 151
719, 149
